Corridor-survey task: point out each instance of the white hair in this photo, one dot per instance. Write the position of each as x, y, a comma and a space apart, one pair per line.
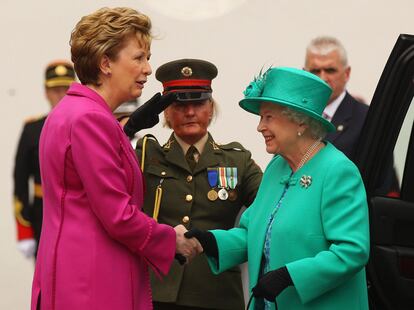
323, 45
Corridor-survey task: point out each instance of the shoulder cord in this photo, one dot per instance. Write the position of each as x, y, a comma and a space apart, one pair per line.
157, 201
144, 146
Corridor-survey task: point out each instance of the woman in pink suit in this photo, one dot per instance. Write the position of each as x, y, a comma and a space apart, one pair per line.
96, 243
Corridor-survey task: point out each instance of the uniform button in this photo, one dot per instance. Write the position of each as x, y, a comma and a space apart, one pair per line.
186, 219
189, 178
188, 198
163, 173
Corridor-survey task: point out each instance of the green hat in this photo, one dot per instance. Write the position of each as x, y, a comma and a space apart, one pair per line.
59, 73
190, 79
290, 87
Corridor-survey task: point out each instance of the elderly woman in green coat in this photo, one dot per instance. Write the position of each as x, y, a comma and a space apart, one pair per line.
306, 235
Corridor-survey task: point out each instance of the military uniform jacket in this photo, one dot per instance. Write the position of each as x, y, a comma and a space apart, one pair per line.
28, 209
184, 201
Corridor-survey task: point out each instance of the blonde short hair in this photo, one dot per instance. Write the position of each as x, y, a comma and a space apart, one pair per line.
104, 32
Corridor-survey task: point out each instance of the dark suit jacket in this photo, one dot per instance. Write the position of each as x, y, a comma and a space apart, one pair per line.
348, 120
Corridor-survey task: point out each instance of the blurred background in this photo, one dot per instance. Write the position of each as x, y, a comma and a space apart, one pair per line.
238, 36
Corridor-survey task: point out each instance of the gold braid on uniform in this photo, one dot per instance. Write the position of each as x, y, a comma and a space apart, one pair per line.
157, 202
144, 146
158, 191
18, 207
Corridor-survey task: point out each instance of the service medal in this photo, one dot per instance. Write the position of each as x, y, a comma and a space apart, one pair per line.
212, 195
212, 174
231, 175
223, 194
232, 195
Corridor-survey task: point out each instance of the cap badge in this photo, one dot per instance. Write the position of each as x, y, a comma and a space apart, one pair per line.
187, 71
61, 70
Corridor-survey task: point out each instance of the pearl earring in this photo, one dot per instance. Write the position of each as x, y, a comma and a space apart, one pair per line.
299, 134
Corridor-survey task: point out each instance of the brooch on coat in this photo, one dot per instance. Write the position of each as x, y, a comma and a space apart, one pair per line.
305, 181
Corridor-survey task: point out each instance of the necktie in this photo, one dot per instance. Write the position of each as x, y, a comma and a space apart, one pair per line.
189, 156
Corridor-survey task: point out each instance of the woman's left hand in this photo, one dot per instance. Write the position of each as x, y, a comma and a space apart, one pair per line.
272, 283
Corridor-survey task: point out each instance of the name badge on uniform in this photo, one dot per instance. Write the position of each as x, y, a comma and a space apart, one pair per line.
222, 193
231, 173
212, 180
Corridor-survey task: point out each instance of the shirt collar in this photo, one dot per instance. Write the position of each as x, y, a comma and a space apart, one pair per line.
331, 108
199, 145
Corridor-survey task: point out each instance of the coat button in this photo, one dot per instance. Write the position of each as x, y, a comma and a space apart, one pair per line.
189, 178
189, 198
186, 219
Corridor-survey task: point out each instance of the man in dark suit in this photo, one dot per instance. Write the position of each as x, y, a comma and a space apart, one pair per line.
27, 184
326, 57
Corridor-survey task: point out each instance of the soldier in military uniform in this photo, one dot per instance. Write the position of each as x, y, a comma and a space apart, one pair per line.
27, 184
194, 181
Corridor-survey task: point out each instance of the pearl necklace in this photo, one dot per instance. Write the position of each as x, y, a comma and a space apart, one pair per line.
308, 153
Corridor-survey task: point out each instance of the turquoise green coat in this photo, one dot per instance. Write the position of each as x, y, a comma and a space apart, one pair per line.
320, 233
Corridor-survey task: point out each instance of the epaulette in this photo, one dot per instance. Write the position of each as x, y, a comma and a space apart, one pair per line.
146, 138
33, 119
232, 146
143, 143
150, 136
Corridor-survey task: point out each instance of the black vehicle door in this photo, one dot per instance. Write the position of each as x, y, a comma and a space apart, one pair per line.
388, 135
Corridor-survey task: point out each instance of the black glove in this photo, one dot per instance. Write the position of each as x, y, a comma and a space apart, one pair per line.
180, 258
206, 239
146, 116
272, 283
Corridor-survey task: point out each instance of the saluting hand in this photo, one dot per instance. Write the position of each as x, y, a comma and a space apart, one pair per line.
146, 116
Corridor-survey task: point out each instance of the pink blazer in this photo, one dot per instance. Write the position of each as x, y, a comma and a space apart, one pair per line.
96, 243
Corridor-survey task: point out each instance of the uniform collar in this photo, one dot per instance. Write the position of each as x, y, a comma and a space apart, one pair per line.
210, 157
199, 145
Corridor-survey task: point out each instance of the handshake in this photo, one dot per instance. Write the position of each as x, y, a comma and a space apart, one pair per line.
190, 243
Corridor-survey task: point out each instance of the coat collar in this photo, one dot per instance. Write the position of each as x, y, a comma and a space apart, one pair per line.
77, 89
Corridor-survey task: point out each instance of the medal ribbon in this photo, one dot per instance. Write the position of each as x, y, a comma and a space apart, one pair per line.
212, 174
232, 176
222, 177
